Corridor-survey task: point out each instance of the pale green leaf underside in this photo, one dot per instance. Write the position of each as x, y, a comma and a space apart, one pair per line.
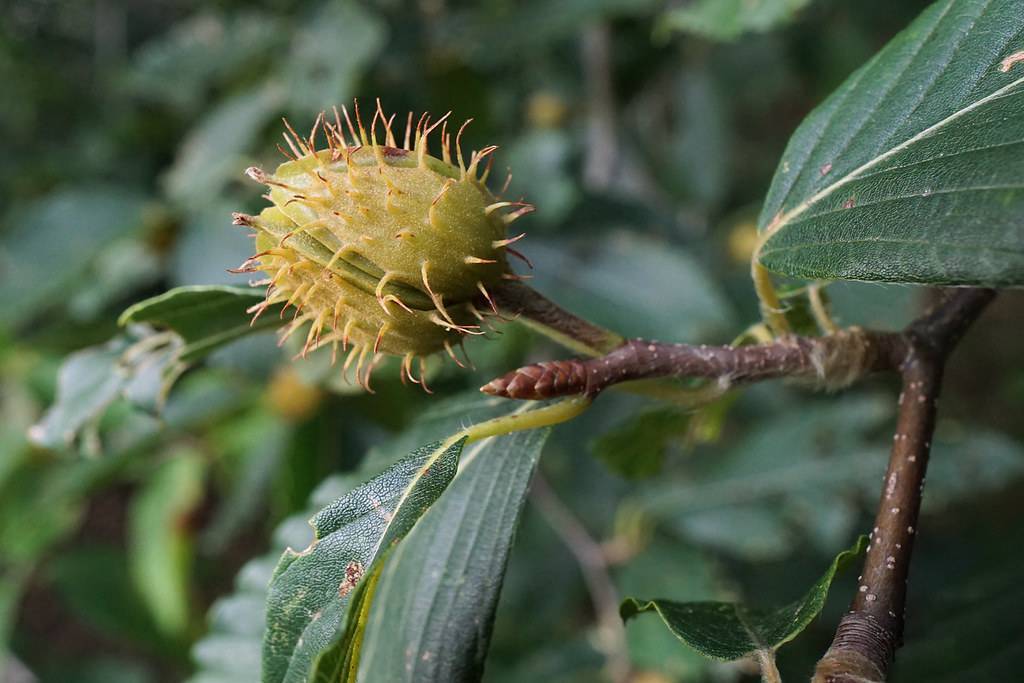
727, 631
913, 171
729, 19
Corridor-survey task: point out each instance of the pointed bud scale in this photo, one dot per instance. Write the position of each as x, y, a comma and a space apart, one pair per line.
382, 249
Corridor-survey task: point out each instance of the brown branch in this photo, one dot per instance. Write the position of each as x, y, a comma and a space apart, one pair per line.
834, 360
867, 636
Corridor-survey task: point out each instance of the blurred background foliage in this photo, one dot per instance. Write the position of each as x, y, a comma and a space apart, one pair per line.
646, 133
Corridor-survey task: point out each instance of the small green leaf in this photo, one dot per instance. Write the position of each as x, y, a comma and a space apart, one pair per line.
729, 19
88, 382
205, 317
311, 590
160, 541
636, 448
728, 631
913, 170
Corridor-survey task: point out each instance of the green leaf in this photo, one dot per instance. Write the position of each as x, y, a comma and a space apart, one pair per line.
729, 19
52, 242
746, 499
160, 541
636, 448
727, 631
666, 567
913, 170
205, 317
310, 591
203, 51
230, 652
613, 282
142, 365
88, 382
434, 606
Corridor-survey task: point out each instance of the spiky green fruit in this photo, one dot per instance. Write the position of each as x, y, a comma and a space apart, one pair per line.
381, 249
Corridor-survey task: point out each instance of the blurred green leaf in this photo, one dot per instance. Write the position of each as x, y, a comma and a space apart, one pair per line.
329, 54
540, 160
161, 541
687, 137
230, 650
960, 635
216, 150
482, 34
723, 630
737, 501
89, 381
613, 280
125, 265
749, 499
434, 606
205, 50
52, 242
308, 599
96, 584
912, 170
729, 19
209, 245
636, 448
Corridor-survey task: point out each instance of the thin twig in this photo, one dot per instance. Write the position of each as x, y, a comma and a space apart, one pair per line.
518, 300
594, 566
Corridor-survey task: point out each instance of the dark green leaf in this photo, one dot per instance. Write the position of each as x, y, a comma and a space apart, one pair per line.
205, 317
913, 171
434, 606
230, 652
310, 591
723, 630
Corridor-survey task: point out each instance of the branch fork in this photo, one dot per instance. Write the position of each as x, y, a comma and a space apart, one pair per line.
867, 637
